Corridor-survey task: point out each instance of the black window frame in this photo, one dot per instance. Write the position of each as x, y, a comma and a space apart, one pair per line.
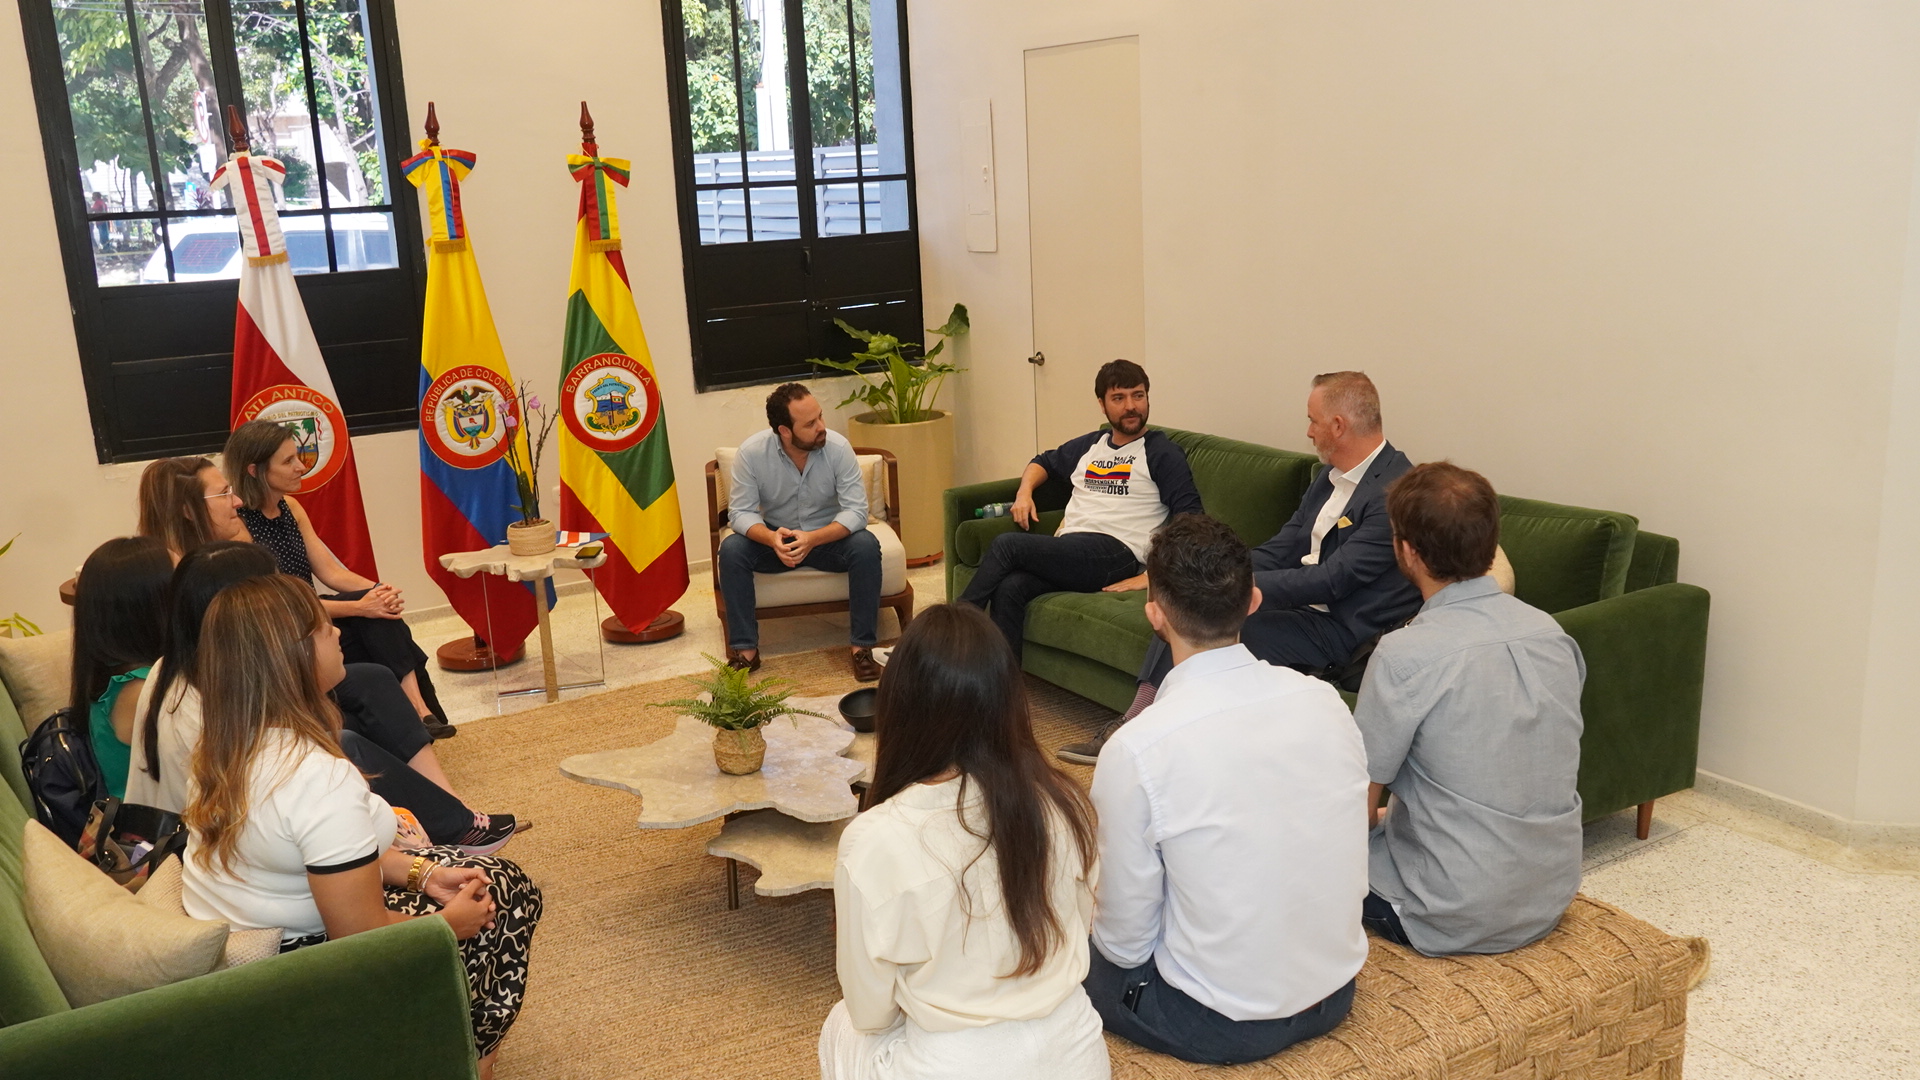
169, 346
757, 309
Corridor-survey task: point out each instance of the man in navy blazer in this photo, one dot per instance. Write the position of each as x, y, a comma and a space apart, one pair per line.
1328, 577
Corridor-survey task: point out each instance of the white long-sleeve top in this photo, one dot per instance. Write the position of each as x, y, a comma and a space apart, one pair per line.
1233, 846
915, 937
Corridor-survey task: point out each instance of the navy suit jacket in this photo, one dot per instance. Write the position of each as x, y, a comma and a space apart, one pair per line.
1356, 577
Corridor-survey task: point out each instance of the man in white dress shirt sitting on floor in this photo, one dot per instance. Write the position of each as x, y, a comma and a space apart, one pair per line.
1233, 860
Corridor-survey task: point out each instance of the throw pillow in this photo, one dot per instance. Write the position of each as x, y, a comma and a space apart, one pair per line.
163, 892
37, 671
99, 939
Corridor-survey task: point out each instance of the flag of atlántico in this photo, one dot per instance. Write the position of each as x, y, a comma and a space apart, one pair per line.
467, 490
278, 373
616, 473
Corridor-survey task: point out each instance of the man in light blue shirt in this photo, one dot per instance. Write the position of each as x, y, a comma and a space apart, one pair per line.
797, 499
1471, 716
1233, 862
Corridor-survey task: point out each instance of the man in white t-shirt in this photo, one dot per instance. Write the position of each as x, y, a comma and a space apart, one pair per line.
1232, 860
1126, 480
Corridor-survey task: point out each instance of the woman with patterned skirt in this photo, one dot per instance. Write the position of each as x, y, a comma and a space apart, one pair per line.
285, 833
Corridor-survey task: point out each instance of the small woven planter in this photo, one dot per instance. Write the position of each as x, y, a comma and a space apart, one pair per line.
739, 752
1603, 996
531, 537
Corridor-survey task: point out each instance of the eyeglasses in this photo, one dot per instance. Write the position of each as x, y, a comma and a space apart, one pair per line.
223, 493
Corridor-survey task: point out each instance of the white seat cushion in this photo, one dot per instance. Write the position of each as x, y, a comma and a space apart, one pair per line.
809, 586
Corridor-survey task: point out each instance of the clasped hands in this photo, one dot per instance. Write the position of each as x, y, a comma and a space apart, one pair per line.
793, 545
381, 602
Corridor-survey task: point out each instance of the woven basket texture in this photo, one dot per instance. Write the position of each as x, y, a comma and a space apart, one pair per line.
1603, 997
739, 752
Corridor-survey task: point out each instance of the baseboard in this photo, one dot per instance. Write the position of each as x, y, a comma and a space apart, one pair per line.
1865, 835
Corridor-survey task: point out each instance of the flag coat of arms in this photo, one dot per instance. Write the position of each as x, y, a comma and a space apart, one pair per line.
468, 414
616, 471
278, 372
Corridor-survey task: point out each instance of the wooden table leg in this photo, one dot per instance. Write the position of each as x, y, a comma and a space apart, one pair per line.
548, 671
733, 885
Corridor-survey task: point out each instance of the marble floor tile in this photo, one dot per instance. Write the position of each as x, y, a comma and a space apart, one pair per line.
1816, 970
579, 652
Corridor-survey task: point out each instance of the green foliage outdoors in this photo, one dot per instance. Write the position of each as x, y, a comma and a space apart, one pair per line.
733, 703
715, 108
904, 391
104, 88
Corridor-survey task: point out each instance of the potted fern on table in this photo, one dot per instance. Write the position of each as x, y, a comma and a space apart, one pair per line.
899, 392
737, 709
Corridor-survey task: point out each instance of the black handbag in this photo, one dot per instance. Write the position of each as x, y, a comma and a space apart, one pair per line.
62, 774
128, 841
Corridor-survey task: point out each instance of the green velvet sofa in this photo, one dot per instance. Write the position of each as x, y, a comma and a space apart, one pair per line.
1610, 585
390, 1002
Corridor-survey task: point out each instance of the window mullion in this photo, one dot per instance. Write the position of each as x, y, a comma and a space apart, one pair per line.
224, 54
157, 175
313, 126
801, 112
739, 120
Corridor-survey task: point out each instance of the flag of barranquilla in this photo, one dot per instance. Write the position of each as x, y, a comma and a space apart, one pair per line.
278, 373
616, 473
467, 490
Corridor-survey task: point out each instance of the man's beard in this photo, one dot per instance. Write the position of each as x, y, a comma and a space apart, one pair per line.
1129, 423
816, 445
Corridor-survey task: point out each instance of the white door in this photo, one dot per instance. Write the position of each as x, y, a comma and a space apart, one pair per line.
1083, 203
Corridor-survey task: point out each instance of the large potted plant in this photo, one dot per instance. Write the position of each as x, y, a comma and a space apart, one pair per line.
899, 393
737, 709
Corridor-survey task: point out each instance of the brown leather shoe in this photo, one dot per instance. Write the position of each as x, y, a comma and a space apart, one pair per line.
737, 661
865, 668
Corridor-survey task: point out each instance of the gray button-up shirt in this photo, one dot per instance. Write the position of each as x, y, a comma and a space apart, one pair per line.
768, 490
1471, 714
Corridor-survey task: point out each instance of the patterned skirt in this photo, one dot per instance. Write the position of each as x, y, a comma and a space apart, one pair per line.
496, 959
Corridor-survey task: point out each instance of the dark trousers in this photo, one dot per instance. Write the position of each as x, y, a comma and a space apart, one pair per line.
380, 733
857, 556
1138, 1004
389, 643
1299, 638
1022, 566
1378, 916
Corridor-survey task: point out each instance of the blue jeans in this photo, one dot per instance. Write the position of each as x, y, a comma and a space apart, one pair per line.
1377, 915
857, 556
1138, 1004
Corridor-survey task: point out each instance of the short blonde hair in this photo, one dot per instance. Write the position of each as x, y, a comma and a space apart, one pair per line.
1351, 394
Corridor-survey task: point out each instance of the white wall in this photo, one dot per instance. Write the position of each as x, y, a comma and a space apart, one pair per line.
1636, 255
1641, 256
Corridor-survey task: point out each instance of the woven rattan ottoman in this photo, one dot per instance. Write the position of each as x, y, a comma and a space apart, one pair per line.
1603, 997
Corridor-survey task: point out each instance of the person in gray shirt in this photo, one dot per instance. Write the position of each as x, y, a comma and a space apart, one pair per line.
1471, 718
797, 499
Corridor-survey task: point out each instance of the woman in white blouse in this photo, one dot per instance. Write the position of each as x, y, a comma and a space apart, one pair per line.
965, 889
284, 831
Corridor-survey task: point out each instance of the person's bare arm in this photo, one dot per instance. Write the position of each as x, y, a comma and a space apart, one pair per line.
1376, 813
352, 901
380, 602
125, 708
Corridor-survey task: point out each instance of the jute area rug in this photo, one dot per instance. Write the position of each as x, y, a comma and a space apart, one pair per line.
638, 968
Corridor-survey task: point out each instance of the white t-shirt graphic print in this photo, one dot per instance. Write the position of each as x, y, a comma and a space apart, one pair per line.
1123, 491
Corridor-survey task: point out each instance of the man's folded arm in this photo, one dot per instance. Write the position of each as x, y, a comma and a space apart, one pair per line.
1360, 560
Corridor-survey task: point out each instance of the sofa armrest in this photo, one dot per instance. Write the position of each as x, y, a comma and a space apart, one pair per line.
960, 503
1646, 654
388, 1002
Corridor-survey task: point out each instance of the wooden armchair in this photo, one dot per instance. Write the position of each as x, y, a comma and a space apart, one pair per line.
806, 591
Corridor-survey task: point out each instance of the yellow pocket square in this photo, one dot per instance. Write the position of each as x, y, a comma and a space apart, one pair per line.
1343, 523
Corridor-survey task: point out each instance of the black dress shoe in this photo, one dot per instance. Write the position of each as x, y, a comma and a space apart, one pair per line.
437, 729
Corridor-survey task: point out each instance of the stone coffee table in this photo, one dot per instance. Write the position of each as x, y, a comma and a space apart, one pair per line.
784, 819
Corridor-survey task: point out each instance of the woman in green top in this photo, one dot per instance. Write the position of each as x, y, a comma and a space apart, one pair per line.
119, 629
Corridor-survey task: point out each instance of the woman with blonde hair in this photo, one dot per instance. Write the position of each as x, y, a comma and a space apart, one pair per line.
186, 502
263, 464
284, 831
964, 891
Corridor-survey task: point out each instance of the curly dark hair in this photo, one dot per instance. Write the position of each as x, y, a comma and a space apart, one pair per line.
780, 404
1199, 572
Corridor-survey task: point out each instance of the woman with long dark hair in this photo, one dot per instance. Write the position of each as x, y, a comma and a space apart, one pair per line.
379, 734
186, 502
965, 889
263, 464
119, 628
284, 833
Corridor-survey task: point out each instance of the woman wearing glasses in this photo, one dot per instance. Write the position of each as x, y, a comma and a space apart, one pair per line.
186, 502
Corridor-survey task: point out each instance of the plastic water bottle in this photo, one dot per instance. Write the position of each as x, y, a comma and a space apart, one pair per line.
994, 510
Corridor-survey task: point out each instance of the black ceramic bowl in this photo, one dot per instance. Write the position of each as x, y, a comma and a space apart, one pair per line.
858, 708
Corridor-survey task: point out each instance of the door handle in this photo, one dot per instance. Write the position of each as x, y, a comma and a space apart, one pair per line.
1038, 359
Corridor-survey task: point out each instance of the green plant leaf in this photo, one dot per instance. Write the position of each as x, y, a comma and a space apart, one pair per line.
957, 323
853, 331
8, 546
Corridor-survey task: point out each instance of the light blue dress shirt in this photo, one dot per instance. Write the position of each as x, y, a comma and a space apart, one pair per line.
768, 490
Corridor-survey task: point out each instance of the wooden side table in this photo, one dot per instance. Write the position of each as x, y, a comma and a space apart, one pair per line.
499, 560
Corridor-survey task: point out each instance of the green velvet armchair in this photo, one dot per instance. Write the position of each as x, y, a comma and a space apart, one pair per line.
1610, 585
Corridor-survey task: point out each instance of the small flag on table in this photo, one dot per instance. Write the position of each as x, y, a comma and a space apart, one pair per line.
469, 415
278, 372
616, 472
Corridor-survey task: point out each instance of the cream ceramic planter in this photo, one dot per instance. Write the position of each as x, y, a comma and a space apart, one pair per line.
925, 452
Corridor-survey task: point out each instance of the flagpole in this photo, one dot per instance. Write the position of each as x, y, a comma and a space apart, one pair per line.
668, 624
